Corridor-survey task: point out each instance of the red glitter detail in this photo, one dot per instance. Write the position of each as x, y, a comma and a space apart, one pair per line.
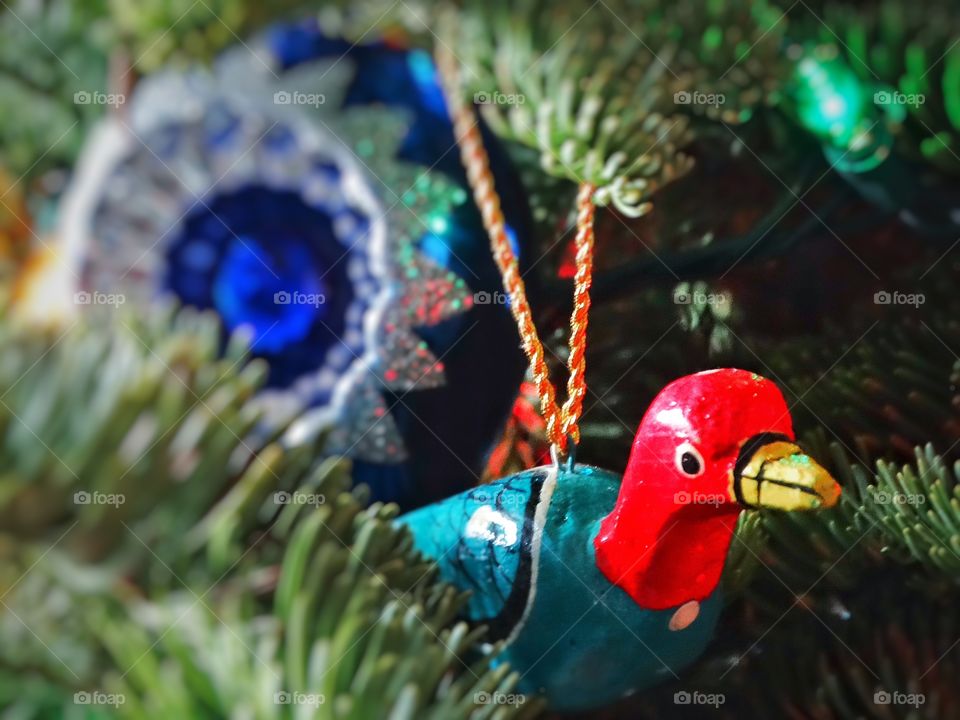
568, 265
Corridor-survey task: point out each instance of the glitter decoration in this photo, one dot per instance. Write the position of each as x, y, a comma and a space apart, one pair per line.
315, 200
469, 342
406, 360
239, 190
368, 430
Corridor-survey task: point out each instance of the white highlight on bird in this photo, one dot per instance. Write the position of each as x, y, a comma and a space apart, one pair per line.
492, 526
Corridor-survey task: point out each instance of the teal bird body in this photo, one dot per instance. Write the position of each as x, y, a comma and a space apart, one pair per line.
599, 586
570, 616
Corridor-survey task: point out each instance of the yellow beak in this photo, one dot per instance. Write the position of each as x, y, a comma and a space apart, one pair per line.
773, 472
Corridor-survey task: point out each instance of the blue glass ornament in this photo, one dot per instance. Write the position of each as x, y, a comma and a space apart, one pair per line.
245, 192
450, 429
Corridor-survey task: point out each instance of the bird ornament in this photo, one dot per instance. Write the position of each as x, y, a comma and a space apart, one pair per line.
595, 586
599, 585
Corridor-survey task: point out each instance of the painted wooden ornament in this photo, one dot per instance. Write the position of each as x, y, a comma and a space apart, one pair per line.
601, 586
597, 586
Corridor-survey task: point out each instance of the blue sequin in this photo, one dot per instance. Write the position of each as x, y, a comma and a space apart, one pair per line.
281, 303
265, 259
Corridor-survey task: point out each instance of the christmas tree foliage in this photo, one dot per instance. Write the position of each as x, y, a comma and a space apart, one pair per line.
254, 559
183, 534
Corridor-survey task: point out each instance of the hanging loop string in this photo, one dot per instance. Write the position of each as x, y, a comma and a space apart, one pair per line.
583, 278
561, 423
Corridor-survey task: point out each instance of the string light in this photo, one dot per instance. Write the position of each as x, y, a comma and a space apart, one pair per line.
827, 98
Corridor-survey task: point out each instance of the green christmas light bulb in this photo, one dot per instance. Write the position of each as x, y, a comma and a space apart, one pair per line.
827, 98
830, 101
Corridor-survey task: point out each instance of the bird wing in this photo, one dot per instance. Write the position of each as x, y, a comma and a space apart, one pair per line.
483, 540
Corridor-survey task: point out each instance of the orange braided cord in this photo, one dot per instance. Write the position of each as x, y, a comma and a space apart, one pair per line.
475, 160
577, 362
559, 423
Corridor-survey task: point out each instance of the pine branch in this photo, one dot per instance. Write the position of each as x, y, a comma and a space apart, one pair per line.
156, 32
897, 519
138, 422
730, 49
44, 73
890, 390
849, 661
164, 597
601, 91
591, 102
357, 628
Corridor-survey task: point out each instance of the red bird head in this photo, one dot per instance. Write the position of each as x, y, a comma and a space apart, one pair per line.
710, 445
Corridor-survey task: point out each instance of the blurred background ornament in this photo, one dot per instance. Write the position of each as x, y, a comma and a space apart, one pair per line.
31, 269
447, 447
273, 195
14, 224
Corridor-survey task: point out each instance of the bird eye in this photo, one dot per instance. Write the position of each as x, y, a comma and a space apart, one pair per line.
688, 460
